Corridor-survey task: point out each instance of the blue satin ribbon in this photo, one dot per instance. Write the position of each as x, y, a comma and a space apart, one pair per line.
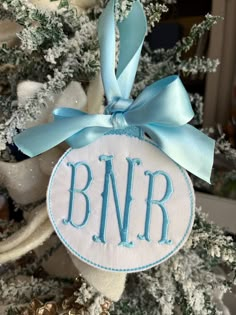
162, 110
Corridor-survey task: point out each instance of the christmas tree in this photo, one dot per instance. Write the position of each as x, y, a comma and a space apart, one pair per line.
49, 57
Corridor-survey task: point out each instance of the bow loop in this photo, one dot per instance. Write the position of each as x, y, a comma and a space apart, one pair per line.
166, 103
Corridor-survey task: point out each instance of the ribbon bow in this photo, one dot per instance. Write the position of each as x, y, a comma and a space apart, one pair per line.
162, 110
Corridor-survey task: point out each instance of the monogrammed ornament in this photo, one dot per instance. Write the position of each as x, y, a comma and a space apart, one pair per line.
120, 198
120, 204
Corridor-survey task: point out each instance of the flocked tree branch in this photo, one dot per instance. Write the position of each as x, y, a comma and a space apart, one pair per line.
58, 47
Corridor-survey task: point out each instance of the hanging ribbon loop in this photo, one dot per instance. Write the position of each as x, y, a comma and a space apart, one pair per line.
162, 110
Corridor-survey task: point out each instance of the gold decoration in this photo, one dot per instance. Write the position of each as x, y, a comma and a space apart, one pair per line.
69, 305
38, 308
74, 308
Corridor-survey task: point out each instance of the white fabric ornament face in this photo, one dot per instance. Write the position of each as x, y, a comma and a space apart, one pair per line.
120, 204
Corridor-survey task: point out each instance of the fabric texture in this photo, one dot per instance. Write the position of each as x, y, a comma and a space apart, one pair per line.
83, 240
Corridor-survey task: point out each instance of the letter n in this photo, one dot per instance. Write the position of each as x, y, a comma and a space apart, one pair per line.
122, 224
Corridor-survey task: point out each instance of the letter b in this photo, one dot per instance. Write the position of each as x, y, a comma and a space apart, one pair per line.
73, 191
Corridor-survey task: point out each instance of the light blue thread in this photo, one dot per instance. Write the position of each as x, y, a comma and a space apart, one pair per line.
109, 175
160, 203
73, 251
83, 191
128, 200
105, 195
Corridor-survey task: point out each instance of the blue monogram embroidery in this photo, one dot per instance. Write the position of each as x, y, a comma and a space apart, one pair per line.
169, 190
123, 222
73, 191
123, 226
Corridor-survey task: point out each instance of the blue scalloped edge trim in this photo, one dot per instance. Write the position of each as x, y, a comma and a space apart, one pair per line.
128, 270
129, 131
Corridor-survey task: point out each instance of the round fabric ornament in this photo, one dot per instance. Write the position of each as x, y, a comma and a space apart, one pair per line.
121, 204
117, 200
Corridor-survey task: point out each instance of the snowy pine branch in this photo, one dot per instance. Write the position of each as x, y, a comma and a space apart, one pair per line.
154, 12
196, 65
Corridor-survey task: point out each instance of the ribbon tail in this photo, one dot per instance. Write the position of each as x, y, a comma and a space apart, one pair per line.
36, 140
187, 146
78, 131
86, 136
